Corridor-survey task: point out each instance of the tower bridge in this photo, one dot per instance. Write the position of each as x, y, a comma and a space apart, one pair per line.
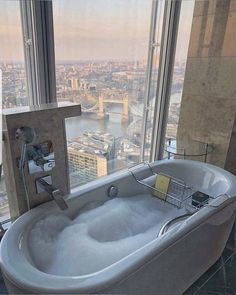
124, 101
100, 109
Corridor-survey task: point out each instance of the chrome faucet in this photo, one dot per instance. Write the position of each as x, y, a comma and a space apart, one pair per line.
54, 192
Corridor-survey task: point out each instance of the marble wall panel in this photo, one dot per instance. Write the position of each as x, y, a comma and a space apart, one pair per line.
232, 5
49, 124
211, 77
229, 44
207, 7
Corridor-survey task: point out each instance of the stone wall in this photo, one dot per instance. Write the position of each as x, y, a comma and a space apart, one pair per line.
208, 105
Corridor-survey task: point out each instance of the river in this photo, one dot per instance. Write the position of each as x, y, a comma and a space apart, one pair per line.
112, 124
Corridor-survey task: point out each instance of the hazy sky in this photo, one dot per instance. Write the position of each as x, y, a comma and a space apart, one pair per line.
99, 29
92, 29
10, 31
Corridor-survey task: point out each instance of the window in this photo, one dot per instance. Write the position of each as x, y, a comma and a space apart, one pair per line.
13, 72
183, 38
101, 50
107, 59
12, 56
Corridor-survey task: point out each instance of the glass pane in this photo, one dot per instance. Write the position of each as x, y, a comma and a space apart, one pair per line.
153, 82
12, 56
101, 61
183, 38
13, 71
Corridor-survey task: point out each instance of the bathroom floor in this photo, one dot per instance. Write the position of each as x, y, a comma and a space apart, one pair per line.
3, 289
220, 279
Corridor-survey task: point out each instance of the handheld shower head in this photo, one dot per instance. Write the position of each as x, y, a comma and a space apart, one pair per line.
25, 134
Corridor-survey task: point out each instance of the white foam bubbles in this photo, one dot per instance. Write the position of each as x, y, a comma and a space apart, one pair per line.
97, 237
43, 236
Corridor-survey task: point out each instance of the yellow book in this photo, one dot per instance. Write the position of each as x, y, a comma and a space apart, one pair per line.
162, 185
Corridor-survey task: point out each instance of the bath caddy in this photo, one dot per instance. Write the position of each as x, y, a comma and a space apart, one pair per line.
177, 192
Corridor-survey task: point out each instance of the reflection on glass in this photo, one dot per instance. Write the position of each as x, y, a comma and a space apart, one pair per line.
4, 208
40, 157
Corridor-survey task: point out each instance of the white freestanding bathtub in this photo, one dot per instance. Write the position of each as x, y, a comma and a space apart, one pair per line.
131, 244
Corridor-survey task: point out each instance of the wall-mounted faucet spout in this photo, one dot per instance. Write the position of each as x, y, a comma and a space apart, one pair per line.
54, 192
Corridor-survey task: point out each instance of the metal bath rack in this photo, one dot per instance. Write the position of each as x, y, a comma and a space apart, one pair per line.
178, 194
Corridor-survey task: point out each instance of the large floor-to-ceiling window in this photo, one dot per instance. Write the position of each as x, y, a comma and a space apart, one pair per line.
107, 58
101, 51
13, 74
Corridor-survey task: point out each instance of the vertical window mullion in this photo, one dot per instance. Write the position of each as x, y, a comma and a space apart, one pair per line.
37, 26
165, 72
152, 44
27, 30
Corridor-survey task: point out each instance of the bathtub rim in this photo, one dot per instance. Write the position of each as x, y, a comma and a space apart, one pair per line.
119, 175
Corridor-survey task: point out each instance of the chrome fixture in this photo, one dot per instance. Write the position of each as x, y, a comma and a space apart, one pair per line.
25, 135
112, 191
171, 222
40, 157
54, 192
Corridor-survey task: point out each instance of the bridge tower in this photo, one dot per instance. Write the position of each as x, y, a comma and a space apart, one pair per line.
125, 108
100, 113
125, 111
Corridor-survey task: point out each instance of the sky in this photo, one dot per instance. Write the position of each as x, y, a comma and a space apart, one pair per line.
93, 29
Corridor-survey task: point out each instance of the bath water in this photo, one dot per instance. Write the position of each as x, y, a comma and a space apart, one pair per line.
97, 237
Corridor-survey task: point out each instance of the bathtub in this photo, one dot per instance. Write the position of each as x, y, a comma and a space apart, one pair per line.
174, 255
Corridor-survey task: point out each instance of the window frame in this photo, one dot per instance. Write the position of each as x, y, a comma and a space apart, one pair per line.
151, 49
165, 74
38, 40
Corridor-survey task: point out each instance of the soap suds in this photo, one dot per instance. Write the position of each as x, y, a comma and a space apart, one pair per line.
98, 237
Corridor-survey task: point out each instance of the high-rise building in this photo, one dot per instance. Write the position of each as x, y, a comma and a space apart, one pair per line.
86, 163
88, 156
